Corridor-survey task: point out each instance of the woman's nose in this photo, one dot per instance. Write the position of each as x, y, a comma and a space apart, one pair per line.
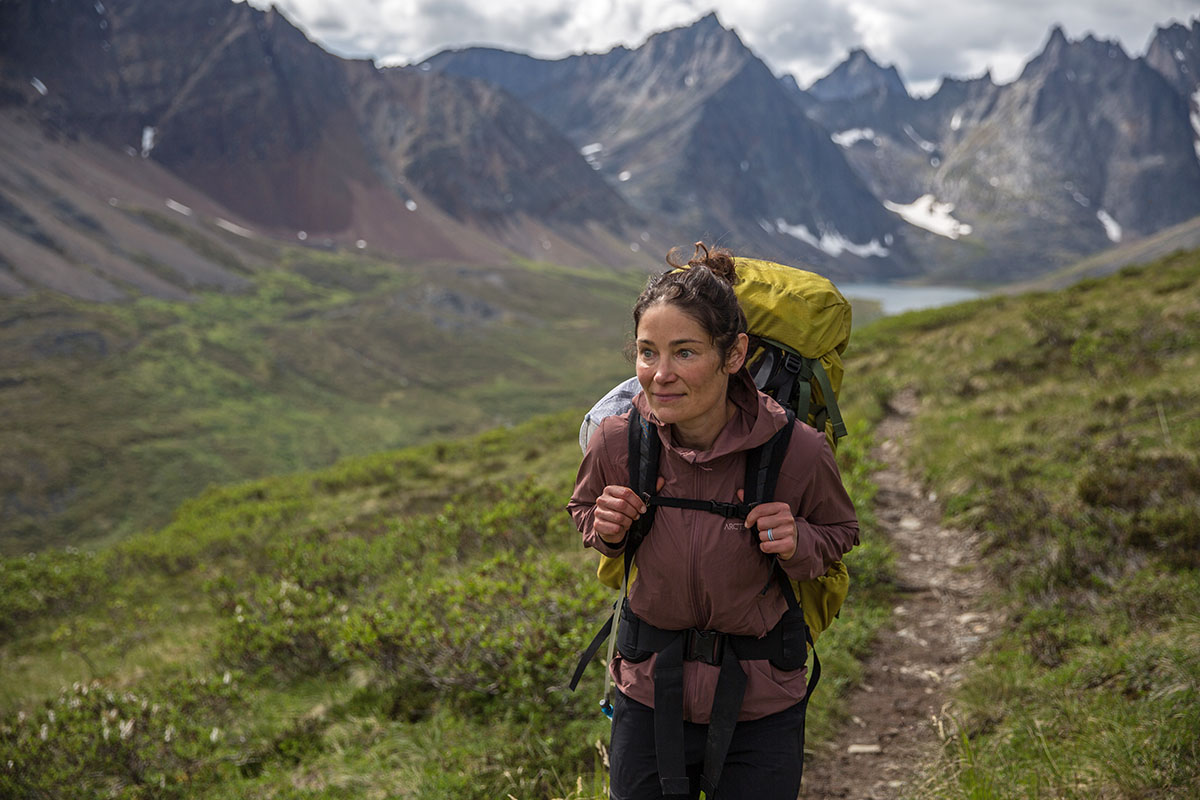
665, 372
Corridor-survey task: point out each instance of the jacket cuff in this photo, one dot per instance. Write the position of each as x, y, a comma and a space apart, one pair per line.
804, 564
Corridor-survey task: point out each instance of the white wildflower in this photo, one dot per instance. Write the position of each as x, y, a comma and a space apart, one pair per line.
45, 732
227, 677
105, 731
20, 717
169, 734
216, 734
50, 714
126, 728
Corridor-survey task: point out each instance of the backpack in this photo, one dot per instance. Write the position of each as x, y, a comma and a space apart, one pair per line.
799, 324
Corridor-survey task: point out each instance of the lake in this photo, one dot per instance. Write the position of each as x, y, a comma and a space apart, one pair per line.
898, 299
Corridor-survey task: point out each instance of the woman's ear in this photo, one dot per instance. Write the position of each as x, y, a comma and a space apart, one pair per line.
737, 354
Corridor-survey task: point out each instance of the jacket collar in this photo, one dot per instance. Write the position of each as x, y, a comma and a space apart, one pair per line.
755, 420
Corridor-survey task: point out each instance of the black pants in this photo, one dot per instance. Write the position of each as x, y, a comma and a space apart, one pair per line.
765, 760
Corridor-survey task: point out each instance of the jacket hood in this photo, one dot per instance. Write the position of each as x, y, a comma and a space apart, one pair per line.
757, 418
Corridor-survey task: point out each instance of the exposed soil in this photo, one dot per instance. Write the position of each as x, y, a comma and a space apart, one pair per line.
898, 714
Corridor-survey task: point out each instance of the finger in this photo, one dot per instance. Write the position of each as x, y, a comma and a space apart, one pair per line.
783, 546
763, 510
621, 496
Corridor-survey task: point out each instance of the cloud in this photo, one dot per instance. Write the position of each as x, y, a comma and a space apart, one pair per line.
924, 39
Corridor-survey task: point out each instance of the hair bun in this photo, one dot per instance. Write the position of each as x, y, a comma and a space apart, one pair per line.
718, 260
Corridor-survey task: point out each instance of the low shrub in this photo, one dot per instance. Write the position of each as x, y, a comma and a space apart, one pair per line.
94, 740
500, 638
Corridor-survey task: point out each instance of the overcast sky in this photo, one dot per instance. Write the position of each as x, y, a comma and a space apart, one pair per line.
925, 39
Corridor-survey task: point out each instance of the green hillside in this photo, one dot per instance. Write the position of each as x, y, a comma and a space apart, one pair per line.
402, 624
1064, 428
397, 625
113, 414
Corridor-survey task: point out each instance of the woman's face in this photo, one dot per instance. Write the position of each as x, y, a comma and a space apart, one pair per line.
681, 370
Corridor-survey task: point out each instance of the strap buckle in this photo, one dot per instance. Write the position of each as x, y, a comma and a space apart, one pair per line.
792, 362
729, 510
706, 646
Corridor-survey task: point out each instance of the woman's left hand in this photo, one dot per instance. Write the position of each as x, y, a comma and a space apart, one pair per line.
776, 529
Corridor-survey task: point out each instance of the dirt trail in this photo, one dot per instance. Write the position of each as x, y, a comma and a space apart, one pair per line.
897, 711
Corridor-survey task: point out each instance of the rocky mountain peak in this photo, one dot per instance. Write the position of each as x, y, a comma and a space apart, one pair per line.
857, 76
1175, 53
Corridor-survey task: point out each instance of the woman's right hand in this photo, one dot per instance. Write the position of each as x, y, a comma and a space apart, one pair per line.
616, 509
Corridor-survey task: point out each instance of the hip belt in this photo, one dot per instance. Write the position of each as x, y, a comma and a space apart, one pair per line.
785, 646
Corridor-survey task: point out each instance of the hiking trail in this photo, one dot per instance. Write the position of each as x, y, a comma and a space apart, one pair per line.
897, 713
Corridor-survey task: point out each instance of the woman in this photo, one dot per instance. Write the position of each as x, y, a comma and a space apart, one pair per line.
697, 572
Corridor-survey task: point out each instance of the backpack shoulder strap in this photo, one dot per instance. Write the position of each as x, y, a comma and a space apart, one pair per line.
764, 462
644, 450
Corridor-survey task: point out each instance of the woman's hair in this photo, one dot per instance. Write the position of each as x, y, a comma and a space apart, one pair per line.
703, 291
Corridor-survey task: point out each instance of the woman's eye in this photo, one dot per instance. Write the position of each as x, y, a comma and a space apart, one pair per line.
685, 353
647, 354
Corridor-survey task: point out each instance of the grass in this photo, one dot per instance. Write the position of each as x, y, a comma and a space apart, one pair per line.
401, 623
115, 414
397, 624
1064, 427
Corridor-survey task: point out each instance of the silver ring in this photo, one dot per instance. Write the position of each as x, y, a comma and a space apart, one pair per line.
770, 537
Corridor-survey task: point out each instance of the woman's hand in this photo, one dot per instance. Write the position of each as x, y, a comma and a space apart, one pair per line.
617, 508
776, 528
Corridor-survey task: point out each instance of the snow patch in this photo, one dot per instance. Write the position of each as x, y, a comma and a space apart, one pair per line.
1195, 118
302, 235
99, 7
624, 176
832, 242
853, 136
1079, 198
926, 212
634, 246
148, 136
178, 208
591, 154
956, 121
361, 244
924, 144
411, 205
41, 87
236, 230
1111, 227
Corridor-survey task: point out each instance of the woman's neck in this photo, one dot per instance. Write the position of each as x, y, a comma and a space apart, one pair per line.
701, 435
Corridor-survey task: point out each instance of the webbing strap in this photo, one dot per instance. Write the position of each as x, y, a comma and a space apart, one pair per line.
727, 510
727, 702
668, 719
835, 414
590, 652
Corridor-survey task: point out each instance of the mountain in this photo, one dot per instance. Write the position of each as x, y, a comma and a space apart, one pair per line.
857, 76
692, 127
166, 148
1175, 53
1087, 148
251, 123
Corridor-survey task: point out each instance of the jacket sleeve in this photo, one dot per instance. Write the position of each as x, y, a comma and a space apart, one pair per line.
826, 524
603, 464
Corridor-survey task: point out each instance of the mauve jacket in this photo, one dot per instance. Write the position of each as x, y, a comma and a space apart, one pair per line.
700, 570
